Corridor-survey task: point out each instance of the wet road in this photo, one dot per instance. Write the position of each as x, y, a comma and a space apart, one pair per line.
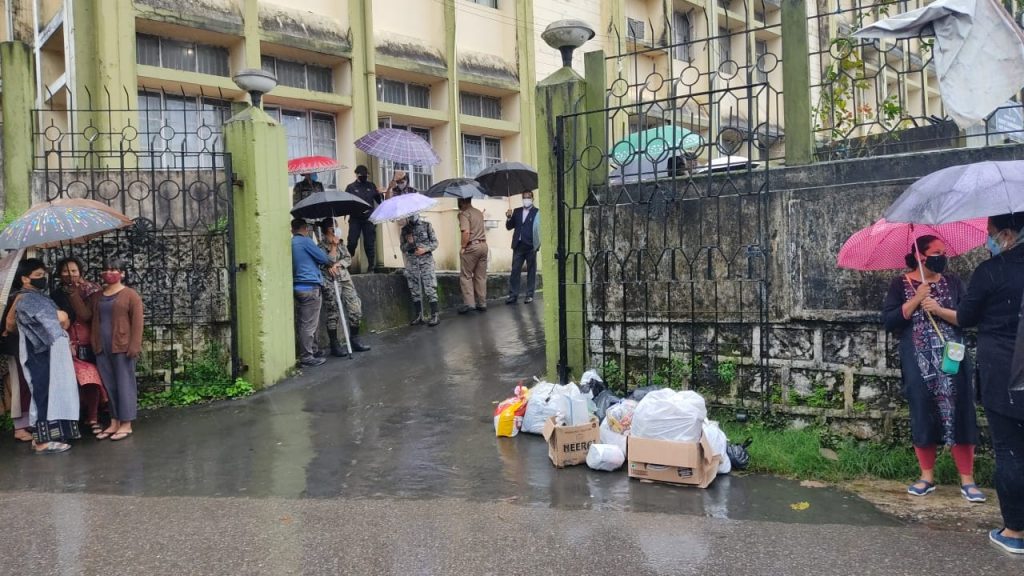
388, 464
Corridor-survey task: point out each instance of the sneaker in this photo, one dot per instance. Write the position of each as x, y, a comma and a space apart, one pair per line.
313, 362
529, 299
971, 493
1011, 545
921, 488
511, 300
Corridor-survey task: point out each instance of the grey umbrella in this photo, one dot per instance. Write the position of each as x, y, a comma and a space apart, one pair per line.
457, 188
507, 179
962, 192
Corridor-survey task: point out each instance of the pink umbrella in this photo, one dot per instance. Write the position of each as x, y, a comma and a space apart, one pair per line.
884, 245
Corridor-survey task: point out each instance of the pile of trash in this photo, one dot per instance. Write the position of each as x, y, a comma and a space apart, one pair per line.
663, 434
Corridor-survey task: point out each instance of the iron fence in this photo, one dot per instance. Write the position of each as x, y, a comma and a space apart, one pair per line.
162, 163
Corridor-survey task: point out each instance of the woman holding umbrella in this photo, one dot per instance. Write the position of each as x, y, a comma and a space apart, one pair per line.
941, 403
46, 360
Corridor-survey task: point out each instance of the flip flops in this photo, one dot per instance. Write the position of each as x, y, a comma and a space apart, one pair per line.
120, 435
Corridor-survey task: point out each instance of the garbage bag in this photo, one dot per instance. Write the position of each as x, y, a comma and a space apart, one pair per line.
603, 401
548, 400
605, 457
610, 436
739, 457
620, 416
592, 383
508, 416
670, 415
719, 445
639, 393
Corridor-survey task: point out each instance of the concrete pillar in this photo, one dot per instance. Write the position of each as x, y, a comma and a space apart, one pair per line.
452, 58
796, 82
17, 98
557, 95
104, 80
364, 72
251, 42
527, 67
266, 340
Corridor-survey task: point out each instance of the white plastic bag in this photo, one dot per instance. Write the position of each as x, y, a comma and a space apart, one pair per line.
548, 399
609, 436
719, 442
605, 457
669, 415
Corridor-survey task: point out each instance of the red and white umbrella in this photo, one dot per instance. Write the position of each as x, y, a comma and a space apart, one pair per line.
884, 245
311, 164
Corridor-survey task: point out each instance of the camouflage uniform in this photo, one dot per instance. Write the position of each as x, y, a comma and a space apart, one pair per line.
349, 298
417, 267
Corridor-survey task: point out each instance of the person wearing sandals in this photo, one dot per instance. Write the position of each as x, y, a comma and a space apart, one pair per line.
117, 341
46, 360
993, 305
942, 410
72, 295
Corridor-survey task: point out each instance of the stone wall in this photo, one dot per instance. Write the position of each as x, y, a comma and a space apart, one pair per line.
676, 282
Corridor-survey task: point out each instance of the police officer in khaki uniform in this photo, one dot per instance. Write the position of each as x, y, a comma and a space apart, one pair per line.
473, 279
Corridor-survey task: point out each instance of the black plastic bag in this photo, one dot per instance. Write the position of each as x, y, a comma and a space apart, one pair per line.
738, 454
639, 393
593, 383
604, 401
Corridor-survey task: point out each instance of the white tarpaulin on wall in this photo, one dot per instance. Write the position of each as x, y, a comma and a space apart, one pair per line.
979, 53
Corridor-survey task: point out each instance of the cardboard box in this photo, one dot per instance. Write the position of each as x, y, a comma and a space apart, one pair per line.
690, 463
568, 445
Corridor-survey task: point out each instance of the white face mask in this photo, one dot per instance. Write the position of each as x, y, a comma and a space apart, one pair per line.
337, 232
401, 185
527, 202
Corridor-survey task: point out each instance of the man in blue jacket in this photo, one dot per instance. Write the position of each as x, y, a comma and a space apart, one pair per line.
525, 225
307, 258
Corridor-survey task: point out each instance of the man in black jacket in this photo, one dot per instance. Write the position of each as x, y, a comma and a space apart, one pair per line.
359, 224
524, 223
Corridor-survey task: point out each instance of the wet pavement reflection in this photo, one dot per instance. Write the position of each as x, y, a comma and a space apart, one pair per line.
413, 420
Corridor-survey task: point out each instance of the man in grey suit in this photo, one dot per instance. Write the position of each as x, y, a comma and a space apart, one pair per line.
525, 225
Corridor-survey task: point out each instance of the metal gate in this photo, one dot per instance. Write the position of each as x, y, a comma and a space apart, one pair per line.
163, 165
663, 234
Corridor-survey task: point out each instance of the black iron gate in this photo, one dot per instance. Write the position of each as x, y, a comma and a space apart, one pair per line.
163, 165
663, 234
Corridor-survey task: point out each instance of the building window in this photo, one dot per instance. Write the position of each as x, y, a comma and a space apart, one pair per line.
395, 92
479, 152
299, 75
635, 29
724, 45
181, 55
488, 3
760, 50
309, 134
683, 35
420, 177
180, 131
479, 105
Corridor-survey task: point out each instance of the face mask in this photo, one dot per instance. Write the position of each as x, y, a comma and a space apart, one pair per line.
527, 202
993, 246
414, 218
936, 264
313, 177
111, 277
401, 185
361, 177
337, 232
38, 283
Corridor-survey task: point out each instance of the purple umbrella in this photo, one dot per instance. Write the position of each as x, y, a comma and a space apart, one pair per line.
398, 146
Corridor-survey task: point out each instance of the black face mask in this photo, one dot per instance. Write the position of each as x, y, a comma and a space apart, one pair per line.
361, 177
936, 264
38, 283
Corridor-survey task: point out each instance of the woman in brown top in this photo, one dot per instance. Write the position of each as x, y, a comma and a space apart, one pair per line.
117, 340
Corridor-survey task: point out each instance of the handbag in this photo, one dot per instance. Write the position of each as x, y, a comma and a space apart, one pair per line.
82, 351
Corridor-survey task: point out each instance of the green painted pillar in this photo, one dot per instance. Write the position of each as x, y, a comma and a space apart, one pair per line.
527, 67
259, 158
796, 80
452, 58
558, 95
251, 21
17, 99
364, 72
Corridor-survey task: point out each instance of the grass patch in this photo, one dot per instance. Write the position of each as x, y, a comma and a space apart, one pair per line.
204, 380
797, 454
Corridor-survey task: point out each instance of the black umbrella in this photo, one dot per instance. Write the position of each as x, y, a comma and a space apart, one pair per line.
457, 188
508, 178
330, 204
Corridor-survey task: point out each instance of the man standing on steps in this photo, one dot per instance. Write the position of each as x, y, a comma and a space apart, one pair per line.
307, 259
525, 225
418, 244
473, 260
359, 224
330, 243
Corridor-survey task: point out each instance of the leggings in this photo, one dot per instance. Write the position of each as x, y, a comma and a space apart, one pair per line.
963, 456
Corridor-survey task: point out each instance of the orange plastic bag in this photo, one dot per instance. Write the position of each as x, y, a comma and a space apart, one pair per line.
508, 416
